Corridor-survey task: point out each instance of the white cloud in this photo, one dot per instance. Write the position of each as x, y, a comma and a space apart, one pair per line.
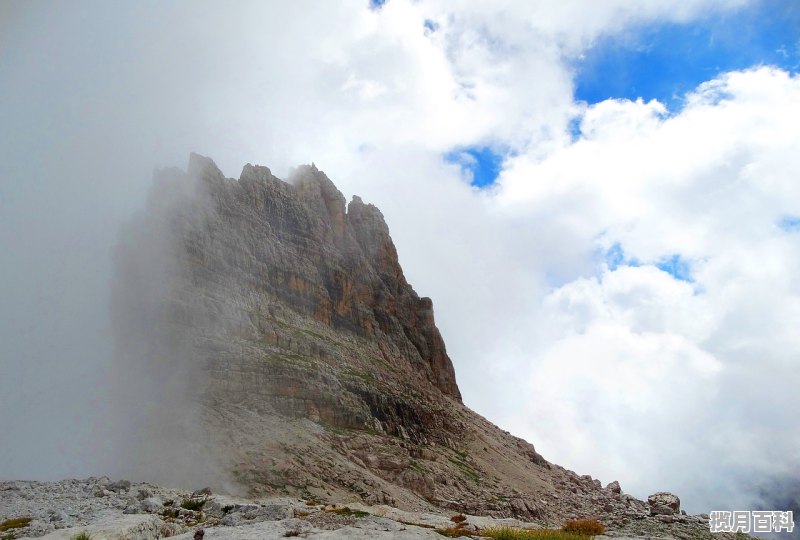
635, 365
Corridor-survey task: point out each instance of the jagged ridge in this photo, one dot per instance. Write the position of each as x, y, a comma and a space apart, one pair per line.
285, 317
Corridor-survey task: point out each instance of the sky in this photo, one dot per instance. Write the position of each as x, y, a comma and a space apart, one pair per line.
600, 196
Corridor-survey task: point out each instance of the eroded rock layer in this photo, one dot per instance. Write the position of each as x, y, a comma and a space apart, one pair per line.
269, 325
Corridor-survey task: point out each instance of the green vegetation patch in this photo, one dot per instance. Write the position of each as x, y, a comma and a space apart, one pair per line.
14, 523
586, 527
460, 461
363, 375
453, 532
513, 533
193, 504
347, 511
83, 535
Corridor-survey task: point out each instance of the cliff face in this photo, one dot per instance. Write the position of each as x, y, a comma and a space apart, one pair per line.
298, 246
271, 331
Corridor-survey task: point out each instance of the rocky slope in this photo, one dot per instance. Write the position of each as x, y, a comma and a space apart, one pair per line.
280, 349
107, 510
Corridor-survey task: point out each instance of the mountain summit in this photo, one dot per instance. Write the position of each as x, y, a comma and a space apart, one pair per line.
267, 340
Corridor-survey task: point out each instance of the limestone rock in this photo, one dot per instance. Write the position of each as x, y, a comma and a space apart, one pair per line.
663, 503
120, 485
271, 330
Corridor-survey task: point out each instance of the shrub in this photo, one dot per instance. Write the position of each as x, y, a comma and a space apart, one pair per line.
293, 532
586, 527
453, 532
511, 533
347, 511
193, 504
83, 535
311, 502
458, 518
14, 523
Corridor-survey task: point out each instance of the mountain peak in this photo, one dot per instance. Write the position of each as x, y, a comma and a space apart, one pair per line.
271, 333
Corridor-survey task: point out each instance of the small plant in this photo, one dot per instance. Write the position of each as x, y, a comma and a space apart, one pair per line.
293, 532
458, 518
454, 532
347, 511
83, 535
170, 513
586, 527
14, 523
311, 502
512, 533
193, 504
300, 513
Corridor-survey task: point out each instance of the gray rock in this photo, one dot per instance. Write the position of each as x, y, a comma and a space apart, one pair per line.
232, 520
57, 515
151, 505
270, 512
660, 510
119, 485
614, 488
664, 503
131, 509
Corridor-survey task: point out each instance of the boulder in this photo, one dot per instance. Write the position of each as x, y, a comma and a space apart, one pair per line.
663, 503
119, 485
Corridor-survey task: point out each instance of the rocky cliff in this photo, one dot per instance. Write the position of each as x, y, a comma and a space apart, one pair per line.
270, 329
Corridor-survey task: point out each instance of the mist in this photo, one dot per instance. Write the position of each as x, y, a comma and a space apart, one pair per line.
98, 96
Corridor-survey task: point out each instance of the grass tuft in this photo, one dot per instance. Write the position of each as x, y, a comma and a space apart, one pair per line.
347, 511
14, 523
83, 535
453, 532
513, 533
193, 504
586, 527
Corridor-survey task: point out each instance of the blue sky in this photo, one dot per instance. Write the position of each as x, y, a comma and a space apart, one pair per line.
674, 264
483, 163
665, 61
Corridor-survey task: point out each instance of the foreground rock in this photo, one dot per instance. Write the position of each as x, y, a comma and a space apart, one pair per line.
663, 503
62, 510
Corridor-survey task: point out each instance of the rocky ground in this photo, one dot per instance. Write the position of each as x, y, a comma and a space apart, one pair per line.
106, 509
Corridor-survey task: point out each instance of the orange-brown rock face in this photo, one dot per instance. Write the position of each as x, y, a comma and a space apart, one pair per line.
276, 294
335, 264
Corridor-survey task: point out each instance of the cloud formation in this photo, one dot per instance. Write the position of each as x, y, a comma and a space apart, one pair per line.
547, 285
